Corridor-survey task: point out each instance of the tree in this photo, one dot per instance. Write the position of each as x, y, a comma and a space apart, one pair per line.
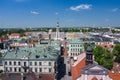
85, 46
116, 52
0, 55
104, 57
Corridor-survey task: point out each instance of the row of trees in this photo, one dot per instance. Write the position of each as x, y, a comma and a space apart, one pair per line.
21, 31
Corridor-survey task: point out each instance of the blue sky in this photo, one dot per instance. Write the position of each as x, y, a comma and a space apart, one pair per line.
45, 13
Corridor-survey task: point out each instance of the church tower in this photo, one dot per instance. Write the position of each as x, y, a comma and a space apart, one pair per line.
57, 31
89, 55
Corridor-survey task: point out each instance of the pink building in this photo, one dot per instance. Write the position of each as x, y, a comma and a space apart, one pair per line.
1, 39
14, 36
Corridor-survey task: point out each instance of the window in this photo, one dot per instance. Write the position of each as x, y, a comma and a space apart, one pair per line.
30, 63
19, 69
49, 63
35, 69
18, 63
10, 63
35, 63
40, 69
15, 69
40, 63
25, 64
10, 69
50, 70
14, 63
5, 62
6, 69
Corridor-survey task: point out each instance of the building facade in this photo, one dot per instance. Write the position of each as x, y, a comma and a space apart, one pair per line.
75, 47
40, 58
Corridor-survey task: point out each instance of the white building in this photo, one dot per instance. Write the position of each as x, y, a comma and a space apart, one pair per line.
75, 47
41, 58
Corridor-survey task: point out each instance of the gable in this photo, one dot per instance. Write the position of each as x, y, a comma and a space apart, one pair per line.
96, 68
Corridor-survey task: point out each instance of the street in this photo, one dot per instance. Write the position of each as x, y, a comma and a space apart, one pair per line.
64, 69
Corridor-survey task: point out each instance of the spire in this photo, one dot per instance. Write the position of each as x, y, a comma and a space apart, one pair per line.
57, 31
57, 24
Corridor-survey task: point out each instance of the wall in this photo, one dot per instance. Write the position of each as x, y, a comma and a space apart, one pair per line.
77, 70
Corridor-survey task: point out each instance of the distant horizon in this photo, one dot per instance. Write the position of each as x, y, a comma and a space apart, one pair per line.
59, 27
43, 13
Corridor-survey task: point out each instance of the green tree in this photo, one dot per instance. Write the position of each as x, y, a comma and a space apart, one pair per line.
0, 55
104, 57
85, 46
116, 52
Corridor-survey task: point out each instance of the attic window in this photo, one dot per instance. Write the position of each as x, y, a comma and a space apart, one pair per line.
45, 56
37, 56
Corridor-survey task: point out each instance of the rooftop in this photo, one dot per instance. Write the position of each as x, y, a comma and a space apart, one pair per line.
15, 34
75, 41
79, 59
38, 52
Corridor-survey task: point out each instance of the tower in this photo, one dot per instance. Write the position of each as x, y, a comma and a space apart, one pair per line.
49, 33
57, 31
89, 55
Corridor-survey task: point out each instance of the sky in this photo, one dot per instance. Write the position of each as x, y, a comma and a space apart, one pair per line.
69, 13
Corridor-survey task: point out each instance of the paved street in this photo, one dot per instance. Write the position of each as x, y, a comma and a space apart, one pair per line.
67, 76
63, 69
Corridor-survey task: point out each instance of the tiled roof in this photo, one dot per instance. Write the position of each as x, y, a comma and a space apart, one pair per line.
15, 34
46, 76
79, 59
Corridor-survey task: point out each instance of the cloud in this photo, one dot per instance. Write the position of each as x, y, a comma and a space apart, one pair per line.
34, 12
115, 9
56, 13
81, 7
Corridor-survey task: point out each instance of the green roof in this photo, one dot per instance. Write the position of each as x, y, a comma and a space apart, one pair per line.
39, 52
75, 41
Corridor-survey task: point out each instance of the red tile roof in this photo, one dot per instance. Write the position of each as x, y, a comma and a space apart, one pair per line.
15, 34
46, 76
29, 76
77, 66
114, 75
106, 45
